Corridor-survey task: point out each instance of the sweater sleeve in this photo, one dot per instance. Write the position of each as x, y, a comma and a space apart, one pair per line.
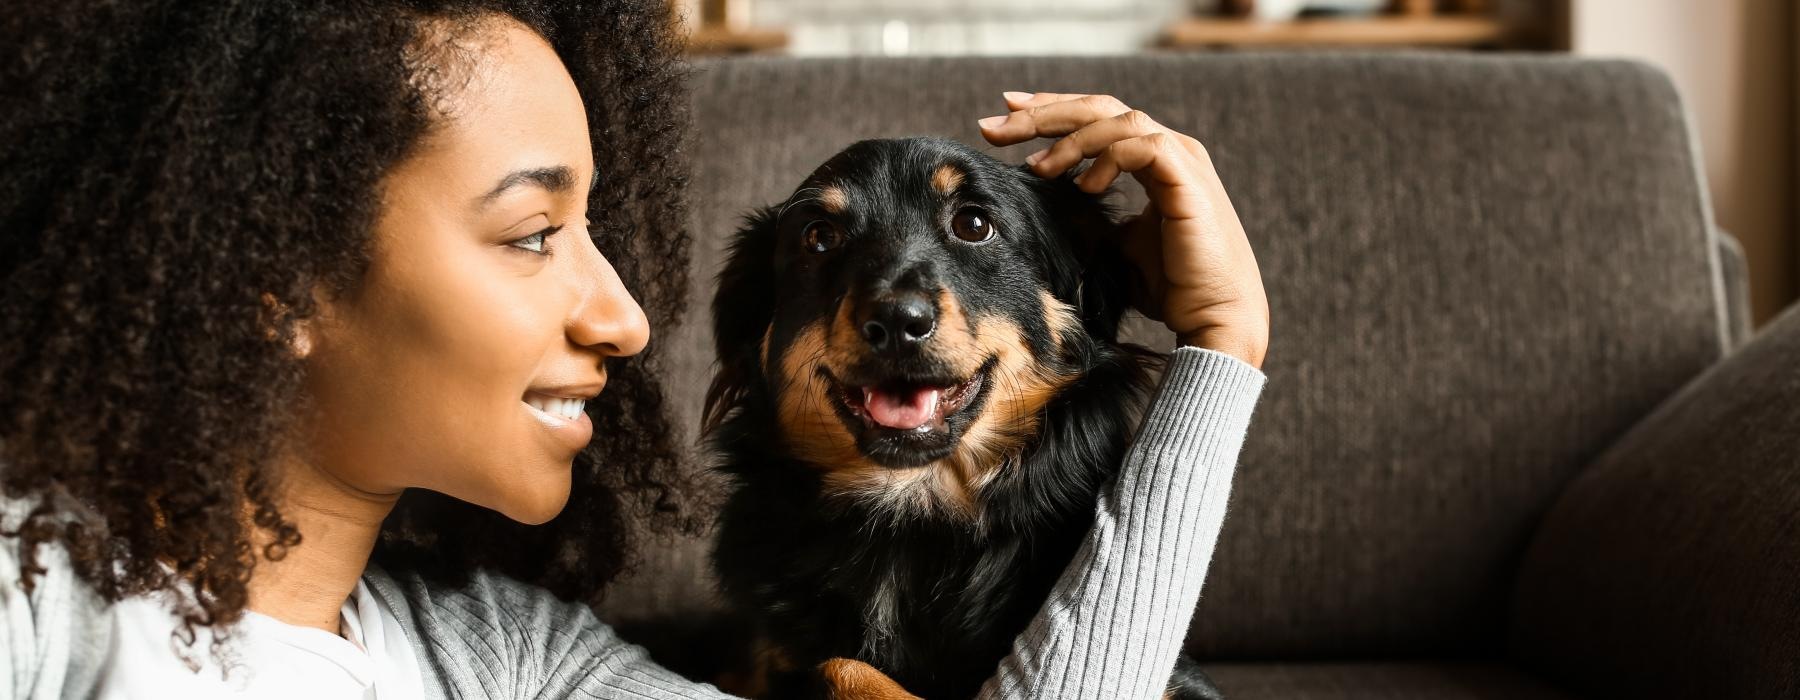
1115, 621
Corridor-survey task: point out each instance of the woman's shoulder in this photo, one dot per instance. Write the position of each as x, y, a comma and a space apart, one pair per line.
486, 628
479, 597
497, 613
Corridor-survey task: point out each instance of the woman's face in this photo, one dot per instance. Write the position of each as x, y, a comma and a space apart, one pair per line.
461, 362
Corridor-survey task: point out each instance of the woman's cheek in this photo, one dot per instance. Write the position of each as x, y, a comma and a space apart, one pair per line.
505, 332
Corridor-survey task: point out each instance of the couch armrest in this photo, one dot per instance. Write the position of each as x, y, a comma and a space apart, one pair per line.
1734, 272
1671, 566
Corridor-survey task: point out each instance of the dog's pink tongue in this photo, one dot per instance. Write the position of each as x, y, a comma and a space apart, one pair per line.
905, 410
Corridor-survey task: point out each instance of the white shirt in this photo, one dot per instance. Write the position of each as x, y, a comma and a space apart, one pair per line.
263, 657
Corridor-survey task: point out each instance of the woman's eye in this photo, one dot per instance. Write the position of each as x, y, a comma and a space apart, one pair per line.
535, 242
972, 225
821, 236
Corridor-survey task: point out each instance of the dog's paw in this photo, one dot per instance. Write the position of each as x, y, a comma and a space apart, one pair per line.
849, 679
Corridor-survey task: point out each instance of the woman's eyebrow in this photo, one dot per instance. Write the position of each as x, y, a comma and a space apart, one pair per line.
554, 179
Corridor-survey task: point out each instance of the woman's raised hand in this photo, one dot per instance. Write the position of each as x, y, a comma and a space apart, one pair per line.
1199, 275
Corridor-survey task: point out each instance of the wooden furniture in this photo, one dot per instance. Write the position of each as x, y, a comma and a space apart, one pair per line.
723, 27
1408, 23
722, 40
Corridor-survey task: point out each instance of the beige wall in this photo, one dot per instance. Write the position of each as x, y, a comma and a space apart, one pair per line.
1733, 62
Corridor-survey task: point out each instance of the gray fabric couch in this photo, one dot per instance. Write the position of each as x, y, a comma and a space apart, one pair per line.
1510, 446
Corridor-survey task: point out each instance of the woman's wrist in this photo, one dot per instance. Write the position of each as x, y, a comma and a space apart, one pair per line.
1249, 347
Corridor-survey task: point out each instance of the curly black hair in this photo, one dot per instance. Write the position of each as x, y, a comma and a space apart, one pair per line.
179, 177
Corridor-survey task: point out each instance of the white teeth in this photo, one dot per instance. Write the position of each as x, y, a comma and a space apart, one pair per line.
566, 409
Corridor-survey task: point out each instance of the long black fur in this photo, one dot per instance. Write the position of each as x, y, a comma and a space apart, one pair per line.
931, 600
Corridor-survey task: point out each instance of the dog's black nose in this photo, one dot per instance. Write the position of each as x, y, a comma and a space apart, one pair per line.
899, 322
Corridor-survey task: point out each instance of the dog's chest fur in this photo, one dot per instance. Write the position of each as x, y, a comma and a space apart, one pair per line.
934, 603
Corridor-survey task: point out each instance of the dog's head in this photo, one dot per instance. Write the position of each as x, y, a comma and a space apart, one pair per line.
915, 304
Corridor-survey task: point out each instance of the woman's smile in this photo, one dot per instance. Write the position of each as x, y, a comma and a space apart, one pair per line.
562, 411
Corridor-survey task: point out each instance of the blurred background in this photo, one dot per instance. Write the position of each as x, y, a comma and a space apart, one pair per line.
1733, 61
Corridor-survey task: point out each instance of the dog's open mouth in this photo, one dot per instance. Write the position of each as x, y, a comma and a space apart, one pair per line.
911, 405
907, 421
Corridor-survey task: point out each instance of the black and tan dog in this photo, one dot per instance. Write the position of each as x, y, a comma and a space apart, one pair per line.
920, 394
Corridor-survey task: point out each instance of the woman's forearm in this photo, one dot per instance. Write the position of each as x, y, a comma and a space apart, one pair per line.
1115, 621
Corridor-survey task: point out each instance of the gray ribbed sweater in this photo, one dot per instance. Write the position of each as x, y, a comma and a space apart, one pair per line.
1111, 628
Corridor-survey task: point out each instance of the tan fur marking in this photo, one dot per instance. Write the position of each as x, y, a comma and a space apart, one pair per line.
808, 422
833, 199
849, 679
1058, 316
955, 338
946, 179
844, 344
930, 486
1018, 389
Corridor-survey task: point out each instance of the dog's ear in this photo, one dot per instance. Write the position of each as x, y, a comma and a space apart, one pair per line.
1089, 270
743, 306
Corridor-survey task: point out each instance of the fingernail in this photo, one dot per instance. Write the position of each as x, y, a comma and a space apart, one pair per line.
991, 122
1035, 157
1017, 96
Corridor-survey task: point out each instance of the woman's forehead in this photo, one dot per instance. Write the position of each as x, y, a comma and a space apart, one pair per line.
515, 108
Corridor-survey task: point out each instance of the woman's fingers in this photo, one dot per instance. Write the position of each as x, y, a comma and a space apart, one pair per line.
1090, 141
1050, 119
1016, 101
1088, 123
1162, 164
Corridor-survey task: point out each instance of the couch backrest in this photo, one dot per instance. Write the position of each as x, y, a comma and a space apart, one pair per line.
1481, 270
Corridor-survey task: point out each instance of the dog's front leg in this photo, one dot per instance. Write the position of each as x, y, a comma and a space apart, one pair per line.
849, 679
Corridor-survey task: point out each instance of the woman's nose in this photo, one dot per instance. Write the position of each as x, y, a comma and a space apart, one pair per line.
607, 319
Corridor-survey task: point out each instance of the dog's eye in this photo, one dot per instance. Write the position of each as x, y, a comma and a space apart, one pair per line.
972, 225
821, 236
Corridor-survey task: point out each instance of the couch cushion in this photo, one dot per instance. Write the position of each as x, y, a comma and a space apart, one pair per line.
1671, 567
1378, 681
1481, 270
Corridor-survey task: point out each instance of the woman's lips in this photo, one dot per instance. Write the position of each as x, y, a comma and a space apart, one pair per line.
566, 418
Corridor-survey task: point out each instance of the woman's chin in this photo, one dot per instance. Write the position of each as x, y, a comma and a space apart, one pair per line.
538, 503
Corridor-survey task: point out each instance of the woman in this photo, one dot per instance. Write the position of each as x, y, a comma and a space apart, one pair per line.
304, 309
